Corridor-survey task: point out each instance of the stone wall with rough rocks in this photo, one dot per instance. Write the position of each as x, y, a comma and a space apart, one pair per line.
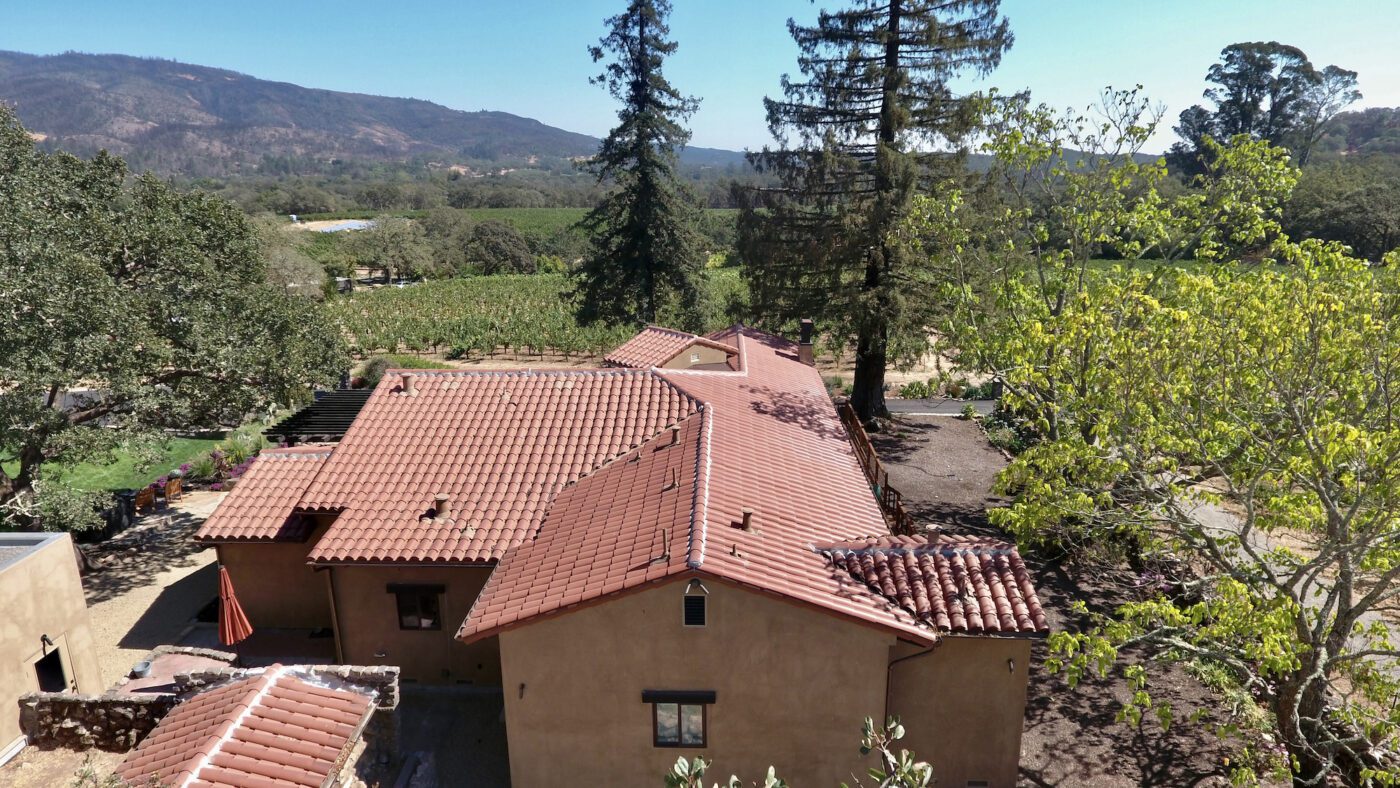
81, 722
383, 680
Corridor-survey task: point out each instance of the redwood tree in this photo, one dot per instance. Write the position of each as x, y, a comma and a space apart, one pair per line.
644, 248
872, 121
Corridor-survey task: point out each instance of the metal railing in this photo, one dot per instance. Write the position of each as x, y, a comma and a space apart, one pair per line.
891, 502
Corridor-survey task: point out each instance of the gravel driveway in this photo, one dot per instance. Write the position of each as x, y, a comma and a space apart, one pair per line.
152, 581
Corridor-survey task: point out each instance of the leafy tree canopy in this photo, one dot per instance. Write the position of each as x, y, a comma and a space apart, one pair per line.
1224, 432
1268, 91
130, 309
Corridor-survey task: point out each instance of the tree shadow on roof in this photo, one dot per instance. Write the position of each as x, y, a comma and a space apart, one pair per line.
813, 414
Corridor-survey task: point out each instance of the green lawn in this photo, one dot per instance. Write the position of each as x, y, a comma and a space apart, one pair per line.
123, 473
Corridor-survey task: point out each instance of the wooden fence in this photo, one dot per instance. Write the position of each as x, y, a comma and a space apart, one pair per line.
891, 502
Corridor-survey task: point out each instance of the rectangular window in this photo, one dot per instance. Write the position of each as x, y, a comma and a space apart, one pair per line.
679, 717
695, 610
419, 606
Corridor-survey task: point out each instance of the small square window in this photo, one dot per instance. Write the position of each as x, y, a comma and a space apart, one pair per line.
680, 718
695, 358
694, 610
679, 724
419, 607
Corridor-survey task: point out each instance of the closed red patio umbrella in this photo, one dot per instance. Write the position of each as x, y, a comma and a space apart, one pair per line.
233, 623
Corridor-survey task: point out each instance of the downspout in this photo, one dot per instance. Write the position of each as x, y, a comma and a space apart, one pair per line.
335, 613
889, 672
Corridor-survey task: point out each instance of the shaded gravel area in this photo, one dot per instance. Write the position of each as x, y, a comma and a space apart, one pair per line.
150, 582
945, 468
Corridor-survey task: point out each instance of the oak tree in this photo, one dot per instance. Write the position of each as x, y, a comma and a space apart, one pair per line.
128, 310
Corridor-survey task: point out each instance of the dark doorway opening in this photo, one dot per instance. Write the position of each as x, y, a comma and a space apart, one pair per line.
49, 670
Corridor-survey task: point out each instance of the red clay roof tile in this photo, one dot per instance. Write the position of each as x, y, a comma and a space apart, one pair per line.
953, 583
260, 507
500, 445
766, 439
653, 346
272, 730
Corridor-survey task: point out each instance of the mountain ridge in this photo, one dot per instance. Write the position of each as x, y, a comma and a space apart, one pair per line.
187, 119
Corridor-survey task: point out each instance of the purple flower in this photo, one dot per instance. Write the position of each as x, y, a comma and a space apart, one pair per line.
161, 481
185, 468
216, 487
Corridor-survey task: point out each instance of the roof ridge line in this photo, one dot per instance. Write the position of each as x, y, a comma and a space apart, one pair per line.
702, 492
269, 678
521, 371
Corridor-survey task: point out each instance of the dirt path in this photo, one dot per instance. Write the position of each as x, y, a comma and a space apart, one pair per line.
945, 468
36, 768
152, 581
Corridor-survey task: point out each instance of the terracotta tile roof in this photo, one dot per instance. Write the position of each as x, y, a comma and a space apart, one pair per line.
500, 445
260, 507
655, 345
627, 524
766, 439
272, 730
960, 584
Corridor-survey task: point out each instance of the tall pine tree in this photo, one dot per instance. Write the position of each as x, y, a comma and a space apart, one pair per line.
644, 248
872, 121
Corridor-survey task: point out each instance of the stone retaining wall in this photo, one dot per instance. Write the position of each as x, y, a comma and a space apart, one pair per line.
80, 722
383, 680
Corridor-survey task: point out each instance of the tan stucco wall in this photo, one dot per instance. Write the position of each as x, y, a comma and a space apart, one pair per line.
275, 585
369, 624
792, 684
708, 355
963, 708
41, 594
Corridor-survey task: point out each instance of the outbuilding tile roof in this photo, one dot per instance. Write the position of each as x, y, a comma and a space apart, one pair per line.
500, 445
960, 584
260, 507
272, 731
655, 345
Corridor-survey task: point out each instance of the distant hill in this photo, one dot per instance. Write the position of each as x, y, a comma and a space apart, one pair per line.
177, 118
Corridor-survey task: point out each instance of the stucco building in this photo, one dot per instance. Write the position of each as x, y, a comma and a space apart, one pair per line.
45, 641
679, 554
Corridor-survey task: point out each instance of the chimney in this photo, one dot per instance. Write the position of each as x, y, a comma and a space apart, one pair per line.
442, 509
748, 519
406, 384
805, 353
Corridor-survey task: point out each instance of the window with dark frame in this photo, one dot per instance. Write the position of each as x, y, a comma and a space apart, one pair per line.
694, 610
419, 606
680, 718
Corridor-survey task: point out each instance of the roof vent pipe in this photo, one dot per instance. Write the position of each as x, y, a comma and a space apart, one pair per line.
675, 435
441, 507
406, 384
748, 519
805, 353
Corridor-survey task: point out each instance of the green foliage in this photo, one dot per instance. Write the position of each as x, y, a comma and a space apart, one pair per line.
1354, 201
496, 248
855, 132
896, 769
645, 254
150, 305
1265, 91
479, 315
398, 247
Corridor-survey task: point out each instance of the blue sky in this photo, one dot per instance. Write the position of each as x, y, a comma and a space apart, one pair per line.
529, 56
